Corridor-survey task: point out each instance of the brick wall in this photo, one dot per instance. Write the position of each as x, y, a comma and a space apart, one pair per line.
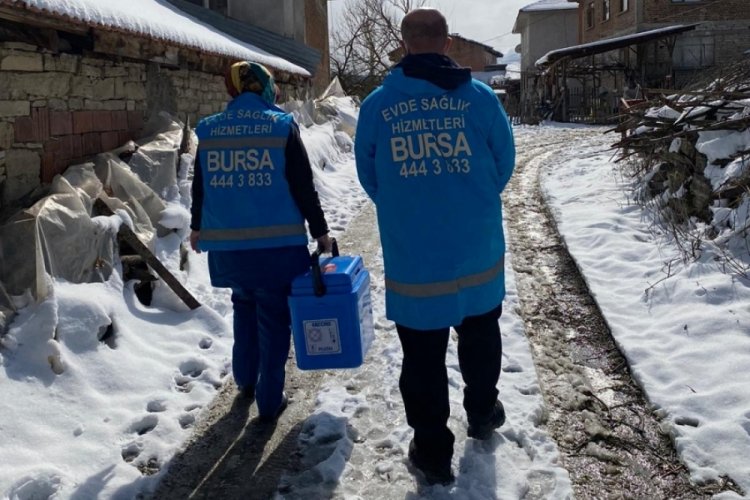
470, 54
316, 36
59, 109
656, 13
618, 24
687, 12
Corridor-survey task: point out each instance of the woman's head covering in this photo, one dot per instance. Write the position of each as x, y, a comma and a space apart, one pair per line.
245, 76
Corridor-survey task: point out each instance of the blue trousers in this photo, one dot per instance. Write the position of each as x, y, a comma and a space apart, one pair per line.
262, 337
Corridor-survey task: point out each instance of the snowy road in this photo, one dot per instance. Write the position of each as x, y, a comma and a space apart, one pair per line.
578, 426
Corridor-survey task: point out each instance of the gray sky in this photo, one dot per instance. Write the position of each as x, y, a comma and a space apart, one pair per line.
486, 21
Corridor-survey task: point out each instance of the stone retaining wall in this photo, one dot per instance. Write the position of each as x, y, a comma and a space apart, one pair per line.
56, 109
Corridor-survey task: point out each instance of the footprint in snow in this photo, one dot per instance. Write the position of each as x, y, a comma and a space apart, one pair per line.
689, 421
512, 367
131, 451
156, 406
183, 383
186, 420
193, 367
531, 390
144, 425
44, 485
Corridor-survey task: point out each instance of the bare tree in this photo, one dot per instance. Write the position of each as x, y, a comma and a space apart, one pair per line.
368, 33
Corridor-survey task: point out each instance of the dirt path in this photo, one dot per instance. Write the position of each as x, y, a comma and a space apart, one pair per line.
609, 438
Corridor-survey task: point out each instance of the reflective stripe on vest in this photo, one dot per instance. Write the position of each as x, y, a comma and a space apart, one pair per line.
252, 233
248, 142
425, 290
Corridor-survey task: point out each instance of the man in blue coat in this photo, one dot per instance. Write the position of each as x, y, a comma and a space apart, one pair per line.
252, 192
434, 150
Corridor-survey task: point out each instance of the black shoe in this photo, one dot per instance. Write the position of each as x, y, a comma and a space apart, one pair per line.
483, 428
434, 473
275, 416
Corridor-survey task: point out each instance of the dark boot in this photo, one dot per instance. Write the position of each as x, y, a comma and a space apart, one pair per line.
482, 427
434, 472
267, 419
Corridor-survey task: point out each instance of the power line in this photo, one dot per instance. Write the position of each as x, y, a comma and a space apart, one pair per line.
530, 24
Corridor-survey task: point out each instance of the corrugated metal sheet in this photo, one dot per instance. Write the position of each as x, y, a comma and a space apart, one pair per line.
273, 43
607, 44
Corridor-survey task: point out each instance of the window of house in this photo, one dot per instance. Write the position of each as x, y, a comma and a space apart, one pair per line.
590, 15
624, 5
605, 10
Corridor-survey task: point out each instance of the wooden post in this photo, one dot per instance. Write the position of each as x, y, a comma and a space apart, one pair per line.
565, 96
131, 239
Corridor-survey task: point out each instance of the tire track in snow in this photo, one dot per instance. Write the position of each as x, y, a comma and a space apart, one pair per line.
610, 440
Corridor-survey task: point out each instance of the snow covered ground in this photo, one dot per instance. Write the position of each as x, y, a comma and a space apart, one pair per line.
86, 418
686, 337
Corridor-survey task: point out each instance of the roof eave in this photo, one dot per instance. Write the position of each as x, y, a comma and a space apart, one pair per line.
73, 25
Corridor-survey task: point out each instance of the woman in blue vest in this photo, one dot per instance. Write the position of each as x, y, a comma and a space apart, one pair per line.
252, 193
434, 150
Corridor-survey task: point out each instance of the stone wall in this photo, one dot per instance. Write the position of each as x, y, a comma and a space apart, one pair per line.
57, 109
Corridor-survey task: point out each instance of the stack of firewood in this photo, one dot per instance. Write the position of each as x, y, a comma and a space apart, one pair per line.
659, 134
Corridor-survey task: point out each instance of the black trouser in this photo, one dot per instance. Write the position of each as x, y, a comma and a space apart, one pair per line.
424, 378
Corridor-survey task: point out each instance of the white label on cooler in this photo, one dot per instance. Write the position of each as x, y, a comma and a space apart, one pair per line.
322, 336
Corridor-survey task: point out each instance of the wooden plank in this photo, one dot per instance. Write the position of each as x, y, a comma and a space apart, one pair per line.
131, 239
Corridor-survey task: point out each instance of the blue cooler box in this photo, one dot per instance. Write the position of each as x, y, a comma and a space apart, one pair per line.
333, 328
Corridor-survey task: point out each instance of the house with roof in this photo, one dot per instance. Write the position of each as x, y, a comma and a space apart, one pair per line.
296, 30
475, 55
544, 25
721, 34
468, 53
627, 47
79, 77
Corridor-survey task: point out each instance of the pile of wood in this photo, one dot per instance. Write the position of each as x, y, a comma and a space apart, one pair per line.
659, 134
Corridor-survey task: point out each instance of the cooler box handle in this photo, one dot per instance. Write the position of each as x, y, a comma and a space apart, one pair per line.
317, 276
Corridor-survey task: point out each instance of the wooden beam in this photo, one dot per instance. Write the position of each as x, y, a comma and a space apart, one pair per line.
19, 15
131, 239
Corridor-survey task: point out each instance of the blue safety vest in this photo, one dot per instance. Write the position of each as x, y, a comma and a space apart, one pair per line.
435, 161
247, 203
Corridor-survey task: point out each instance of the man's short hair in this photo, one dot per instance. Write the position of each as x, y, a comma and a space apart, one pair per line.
436, 29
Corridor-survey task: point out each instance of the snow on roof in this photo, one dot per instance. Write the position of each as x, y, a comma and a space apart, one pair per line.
549, 5
159, 20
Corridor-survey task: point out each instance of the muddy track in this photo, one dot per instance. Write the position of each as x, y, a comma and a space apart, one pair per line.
609, 439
